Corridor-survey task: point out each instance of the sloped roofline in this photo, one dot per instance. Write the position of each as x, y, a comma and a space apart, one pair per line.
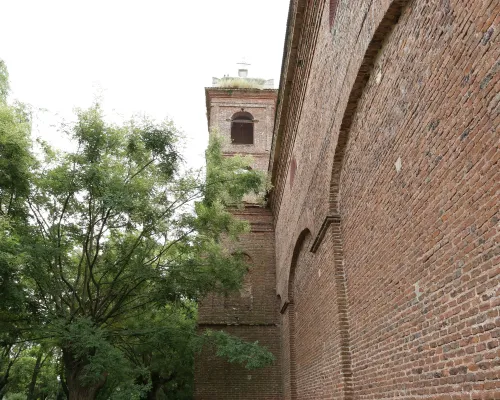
288, 69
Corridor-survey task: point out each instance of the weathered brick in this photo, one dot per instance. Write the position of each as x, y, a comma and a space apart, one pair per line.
252, 313
387, 248
391, 121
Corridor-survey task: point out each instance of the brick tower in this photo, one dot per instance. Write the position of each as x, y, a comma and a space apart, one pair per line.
242, 110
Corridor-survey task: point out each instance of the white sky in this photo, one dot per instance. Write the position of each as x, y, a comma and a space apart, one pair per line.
148, 56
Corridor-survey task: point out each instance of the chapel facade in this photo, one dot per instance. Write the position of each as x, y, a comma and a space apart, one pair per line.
376, 263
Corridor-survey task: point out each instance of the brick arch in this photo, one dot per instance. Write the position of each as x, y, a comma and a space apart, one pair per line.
383, 30
247, 257
289, 307
299, 244
385, 27
333, 219
246, 288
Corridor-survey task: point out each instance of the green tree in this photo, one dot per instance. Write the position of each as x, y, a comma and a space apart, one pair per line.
163, 342
113, 236
34, 375
15, 163
4, 82
104, 251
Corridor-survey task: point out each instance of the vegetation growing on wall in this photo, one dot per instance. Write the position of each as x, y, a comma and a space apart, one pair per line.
241, 83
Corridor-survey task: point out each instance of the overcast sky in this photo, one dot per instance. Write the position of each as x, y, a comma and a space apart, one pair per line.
148, 56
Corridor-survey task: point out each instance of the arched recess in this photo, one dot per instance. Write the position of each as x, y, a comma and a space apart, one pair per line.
383, 30
333, 218
289, 308
385, 27
333, 10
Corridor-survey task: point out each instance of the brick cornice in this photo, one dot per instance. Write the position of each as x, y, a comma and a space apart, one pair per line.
329, 219
300, 45
292, 37
247, 153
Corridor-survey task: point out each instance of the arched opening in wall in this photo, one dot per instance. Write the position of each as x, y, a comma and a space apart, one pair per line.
333, 11
300, 247
242, 128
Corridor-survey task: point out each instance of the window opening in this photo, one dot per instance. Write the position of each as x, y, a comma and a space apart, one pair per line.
242, 128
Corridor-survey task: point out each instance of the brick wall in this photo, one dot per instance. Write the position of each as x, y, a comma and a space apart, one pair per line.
392, 118
312, 367
251, 313
222, 104
255, 303
217, 379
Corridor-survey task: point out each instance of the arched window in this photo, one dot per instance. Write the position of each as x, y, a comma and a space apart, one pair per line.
242, 128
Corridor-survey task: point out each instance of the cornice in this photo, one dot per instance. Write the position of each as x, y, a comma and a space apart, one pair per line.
304, 21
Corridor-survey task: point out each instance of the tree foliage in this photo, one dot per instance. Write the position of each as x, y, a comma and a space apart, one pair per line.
104, 251
15, 164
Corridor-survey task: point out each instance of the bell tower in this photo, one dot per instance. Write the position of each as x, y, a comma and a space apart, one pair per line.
241, 109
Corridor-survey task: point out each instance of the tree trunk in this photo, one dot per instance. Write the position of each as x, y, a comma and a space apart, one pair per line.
34, 376
2, 390
157, 382
155, 386
3, 383
61, 394
64, 386
5, 377
74, 372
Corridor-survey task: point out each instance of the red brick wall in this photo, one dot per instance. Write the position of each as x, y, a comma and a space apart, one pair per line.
251, 314
222, 104
405, 112
217, 379
256, 302
313, 365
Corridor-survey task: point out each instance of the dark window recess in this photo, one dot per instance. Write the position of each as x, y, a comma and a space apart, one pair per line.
333, 11
242, 128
